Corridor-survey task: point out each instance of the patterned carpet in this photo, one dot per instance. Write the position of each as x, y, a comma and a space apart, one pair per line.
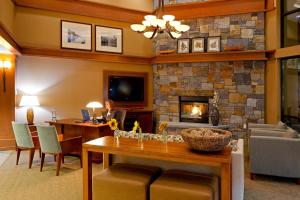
20, 183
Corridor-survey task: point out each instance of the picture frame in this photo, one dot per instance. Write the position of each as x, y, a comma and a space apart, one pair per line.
108, 39
214, 44
198, 45
183, 45
76, 35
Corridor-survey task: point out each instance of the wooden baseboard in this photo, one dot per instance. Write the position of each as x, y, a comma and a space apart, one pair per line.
7, 144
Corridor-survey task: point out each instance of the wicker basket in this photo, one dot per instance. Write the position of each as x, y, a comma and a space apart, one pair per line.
206, 143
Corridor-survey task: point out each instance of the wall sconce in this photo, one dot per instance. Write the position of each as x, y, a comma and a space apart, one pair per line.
5, 65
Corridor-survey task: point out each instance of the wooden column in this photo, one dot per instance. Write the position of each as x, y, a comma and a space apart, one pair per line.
7, 105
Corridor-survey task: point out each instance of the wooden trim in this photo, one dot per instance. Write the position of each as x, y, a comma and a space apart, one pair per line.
212, 57
86, 9
181, 11
145, 75
101, 57
270, 5
214, 8
288, 52
7, 36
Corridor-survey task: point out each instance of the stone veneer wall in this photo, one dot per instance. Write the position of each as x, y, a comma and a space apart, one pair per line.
240, 84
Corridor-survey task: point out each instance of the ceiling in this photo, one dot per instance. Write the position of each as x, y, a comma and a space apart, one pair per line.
142, 5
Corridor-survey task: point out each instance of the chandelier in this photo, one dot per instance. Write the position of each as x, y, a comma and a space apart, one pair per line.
160, 23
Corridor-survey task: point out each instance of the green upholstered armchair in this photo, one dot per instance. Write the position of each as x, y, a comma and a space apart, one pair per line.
24, 141
52, 143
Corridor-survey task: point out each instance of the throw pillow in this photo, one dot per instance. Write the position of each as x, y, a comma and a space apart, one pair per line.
290, 133
281, 125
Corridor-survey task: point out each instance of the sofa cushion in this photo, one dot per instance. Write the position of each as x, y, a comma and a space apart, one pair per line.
124, 181
290, 133
281, 125
266, 132
184, 185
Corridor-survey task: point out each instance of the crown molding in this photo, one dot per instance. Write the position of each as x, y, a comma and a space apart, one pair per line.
84, 8
7, 36
181, 10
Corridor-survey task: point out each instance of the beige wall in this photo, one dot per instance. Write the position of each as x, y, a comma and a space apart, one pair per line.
7, 14
39, 28
65, 85
143, 5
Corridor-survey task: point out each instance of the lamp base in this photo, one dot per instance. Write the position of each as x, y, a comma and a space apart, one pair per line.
30, 116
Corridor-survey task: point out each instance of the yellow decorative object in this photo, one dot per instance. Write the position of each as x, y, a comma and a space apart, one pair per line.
113, 124
135, 127
162, 126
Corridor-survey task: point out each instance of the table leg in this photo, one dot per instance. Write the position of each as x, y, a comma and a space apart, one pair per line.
87, 174
106, 160
225, 181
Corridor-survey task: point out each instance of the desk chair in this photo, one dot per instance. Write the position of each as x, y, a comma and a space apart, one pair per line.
120, 116
25, 141
52, 143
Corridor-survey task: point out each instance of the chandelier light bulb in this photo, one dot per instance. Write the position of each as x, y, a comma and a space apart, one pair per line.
137, 27
150, 17
175, 23
148, 34
176, 35
146, 23
169, 17
182, 28
161, 23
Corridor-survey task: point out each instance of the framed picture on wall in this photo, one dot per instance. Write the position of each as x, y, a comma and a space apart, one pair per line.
109, 39
76, 35
214, 44
183, 46
198, 45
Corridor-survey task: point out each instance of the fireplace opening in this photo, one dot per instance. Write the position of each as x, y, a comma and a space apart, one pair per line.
194, 109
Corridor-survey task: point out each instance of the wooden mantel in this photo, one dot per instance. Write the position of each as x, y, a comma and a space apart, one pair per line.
213, 57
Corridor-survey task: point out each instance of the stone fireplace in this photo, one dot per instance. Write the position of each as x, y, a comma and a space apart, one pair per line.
194, 109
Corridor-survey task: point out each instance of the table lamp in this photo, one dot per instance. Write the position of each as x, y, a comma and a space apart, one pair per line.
94, 105
29, 102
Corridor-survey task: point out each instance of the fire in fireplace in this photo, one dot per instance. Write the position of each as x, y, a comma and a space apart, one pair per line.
194, 109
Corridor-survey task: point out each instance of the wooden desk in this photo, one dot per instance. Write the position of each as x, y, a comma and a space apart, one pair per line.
71, 128
175, 152
88, 130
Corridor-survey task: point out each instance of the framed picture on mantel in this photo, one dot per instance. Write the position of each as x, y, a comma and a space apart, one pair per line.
76, 35
109, 39
214, 44
183, 46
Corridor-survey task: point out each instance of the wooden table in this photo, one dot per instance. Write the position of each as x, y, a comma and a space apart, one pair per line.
175, 152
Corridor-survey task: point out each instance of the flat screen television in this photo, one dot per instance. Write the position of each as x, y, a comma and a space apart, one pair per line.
126, 88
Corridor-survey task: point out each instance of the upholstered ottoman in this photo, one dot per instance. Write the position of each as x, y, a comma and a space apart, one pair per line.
183, 185
124, 182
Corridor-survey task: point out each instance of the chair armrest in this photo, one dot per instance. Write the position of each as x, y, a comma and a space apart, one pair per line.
275, 156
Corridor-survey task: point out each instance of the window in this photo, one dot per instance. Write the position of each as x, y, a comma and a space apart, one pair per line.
290, 18
291, 92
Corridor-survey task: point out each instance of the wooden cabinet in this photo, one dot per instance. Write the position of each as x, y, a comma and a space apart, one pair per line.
144, 117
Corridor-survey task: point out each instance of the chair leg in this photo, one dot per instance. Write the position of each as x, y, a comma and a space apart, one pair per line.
63, 159
252, 176
80, 157
42, 161
58, 163
18, 155
31, 155
298, 181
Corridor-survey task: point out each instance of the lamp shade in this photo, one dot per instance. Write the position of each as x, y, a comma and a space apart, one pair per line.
94, 104
29, 101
